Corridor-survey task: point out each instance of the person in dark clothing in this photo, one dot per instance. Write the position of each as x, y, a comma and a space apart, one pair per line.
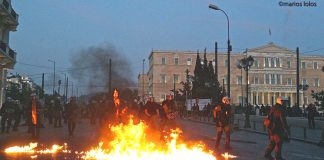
17, 116
168, 115
93, 111
248, 111
151, 111
277, 130
262, 110
34, 114
50, 111
311, 110
7, 113
57, 112
71, 115
223, 118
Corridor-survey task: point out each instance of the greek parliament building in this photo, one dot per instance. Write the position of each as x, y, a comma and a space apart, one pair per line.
273, 74
8, 23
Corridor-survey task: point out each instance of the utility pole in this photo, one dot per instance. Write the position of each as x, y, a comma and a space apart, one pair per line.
109, 78
72, 89
67, 88
42, 93
216, 61
297, 77
53, 61
143, 81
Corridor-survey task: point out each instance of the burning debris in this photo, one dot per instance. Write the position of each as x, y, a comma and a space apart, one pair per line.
129, 141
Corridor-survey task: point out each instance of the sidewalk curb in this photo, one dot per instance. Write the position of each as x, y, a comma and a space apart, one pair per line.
248, 130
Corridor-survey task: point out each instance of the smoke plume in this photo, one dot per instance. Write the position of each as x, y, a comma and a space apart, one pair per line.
90, 67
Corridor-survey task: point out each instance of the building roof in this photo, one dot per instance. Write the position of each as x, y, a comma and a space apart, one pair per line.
271, 48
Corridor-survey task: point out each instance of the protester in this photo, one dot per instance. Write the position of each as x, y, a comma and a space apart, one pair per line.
168, 115
277, 129
71, 115
311, 113
223, 119
151, 110
7, 113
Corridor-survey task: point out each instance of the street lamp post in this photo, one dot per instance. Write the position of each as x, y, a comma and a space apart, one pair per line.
246, 63
229, 49
53, 61
238, 64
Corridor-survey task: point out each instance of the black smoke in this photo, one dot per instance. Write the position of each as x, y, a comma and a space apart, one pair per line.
90, 67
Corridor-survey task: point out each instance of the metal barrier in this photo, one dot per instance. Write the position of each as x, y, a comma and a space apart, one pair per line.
301, 133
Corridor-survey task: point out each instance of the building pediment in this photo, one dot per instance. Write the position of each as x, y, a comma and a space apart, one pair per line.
270, 48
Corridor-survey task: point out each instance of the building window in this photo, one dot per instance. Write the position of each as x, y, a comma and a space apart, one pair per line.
163, 60
163, 97
266, 62
278, 64
273, 78
225, 62
267, 78
316, 82
278, 79
304, 81
176, 61
288, 64
239, 79
189, 61
176, 78
303, 65
256, 63
256, 80
225, 80
163, 78
272, 64
289, 81
315, 65
240, 98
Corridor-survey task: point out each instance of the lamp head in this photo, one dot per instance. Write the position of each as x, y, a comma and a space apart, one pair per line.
212, 6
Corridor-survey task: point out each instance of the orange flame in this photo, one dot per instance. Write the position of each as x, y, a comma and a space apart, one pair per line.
228, 156
31, 149
131, 142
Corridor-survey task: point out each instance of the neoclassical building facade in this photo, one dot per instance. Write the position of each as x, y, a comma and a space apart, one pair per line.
272, 74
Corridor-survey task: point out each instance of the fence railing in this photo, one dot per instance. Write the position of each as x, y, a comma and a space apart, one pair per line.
297, 131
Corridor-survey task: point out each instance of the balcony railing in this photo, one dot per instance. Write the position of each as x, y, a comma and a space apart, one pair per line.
9, 9
3, 47
12, 54
7, 50
6, 4
14, 14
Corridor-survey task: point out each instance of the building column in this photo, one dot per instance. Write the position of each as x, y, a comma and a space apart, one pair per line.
263, 98
291, 99
257, 98
3, 76
269, 100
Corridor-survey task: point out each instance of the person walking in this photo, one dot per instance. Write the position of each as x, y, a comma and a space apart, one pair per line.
35, 123
311, 112
277, 129
7, 113
71, 115
57, 112
223, 118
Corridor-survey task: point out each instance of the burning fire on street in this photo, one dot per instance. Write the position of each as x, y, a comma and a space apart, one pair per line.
130, 141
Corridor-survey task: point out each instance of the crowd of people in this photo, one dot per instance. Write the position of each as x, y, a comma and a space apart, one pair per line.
160, 117
36, 113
